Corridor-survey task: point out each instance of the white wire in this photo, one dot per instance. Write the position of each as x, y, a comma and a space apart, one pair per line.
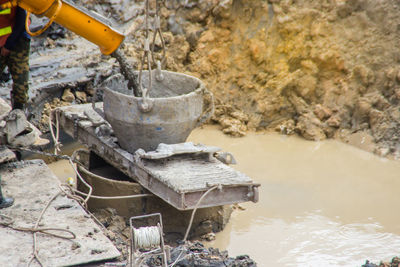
147, 237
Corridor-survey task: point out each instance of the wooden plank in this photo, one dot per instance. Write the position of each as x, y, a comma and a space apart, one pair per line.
32, 185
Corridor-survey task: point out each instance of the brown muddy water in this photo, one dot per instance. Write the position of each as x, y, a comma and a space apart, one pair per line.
321, 203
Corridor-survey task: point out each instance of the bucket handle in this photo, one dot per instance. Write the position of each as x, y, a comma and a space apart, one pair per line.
209, 111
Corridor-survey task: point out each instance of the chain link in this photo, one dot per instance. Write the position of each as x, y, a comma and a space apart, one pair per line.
148, 57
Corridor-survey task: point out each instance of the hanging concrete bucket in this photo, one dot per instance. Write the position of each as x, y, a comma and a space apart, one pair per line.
173, 108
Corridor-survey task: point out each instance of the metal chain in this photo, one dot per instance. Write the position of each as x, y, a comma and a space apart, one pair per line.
146, 53
157, 31
148, 48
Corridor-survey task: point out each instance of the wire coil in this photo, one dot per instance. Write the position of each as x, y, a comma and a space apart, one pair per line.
147, 237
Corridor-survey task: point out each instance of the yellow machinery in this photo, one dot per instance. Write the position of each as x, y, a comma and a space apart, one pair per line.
72, 18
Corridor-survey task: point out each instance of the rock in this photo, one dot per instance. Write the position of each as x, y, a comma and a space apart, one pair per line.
376, 118
75, 245
208, 237
286, 127
364, 75
233, 127
5, 108
223, 9
362, 110
196, 254
322, 112
240, 115
81, 96
310, 128
68, 96
334, 121
306, 86
257, 50
89, 90
381, 127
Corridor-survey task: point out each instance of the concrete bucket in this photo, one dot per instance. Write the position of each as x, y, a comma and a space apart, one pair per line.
175, 105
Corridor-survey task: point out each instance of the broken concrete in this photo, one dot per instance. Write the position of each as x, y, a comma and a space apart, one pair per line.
6, 155
32, 185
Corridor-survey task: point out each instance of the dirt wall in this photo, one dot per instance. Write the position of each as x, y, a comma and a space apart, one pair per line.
322, 69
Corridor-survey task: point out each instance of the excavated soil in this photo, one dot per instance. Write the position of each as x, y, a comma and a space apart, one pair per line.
322, 69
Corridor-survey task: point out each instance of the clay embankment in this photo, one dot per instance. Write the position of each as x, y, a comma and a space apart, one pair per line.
324, 69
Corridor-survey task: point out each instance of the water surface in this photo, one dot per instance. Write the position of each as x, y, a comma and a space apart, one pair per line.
321, 203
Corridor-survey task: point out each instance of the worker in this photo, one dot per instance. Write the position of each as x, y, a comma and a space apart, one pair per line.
14, 52
5, 202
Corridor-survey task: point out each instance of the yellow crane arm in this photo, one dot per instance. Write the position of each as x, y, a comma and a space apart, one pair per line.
74, 19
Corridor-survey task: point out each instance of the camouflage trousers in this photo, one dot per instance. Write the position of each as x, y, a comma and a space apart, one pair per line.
18, 65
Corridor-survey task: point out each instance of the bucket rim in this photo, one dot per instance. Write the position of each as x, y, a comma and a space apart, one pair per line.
197, 91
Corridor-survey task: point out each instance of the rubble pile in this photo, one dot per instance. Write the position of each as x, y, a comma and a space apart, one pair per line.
196, 255
394, 263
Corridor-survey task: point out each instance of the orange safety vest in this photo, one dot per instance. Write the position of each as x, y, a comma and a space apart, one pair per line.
7, 20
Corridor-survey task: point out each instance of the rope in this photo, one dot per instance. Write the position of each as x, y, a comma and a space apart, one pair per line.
35, 250
195, 209
107, 197
82, 180
57, 144
178, 259
147, 237
8, 221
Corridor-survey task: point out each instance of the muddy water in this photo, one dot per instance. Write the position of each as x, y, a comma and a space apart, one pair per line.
62, 168
321, 203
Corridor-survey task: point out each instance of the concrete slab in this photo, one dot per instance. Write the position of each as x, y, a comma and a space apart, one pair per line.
6, 154
4, 108
32, 184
